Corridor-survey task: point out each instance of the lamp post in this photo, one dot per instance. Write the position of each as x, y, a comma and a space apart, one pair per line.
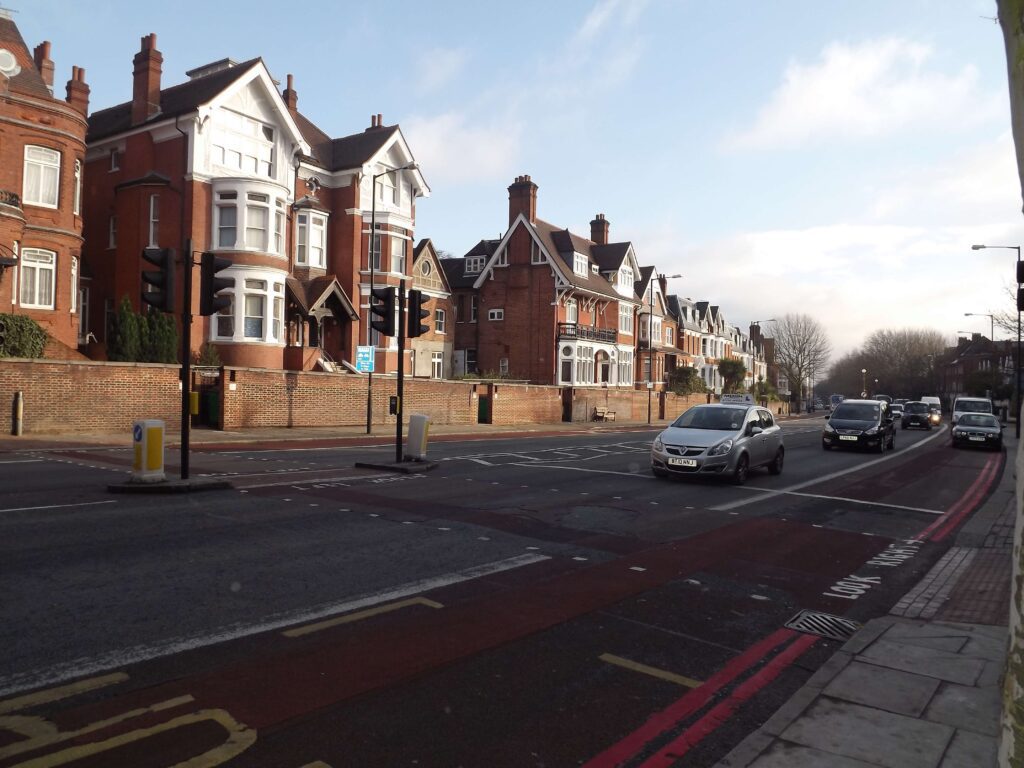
991, 323
650, 336
1016, 366
863, 382
369, 302
876, 388
758, 324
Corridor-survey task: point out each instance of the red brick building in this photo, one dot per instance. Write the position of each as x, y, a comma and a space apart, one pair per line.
431, 353
226, 163
42, 149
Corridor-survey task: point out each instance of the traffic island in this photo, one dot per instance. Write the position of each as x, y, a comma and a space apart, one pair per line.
172, 486
402, 467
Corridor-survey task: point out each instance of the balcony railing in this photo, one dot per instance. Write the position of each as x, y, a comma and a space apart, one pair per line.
575, 331
10, 198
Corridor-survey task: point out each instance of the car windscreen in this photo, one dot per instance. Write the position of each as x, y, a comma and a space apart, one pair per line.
712, 418
973, 406
857, 412
977, 420
916, 408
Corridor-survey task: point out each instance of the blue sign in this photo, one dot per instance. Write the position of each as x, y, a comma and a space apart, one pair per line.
137, 433
364, 359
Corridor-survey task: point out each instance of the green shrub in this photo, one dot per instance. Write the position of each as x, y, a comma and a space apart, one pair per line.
21, 336
151, 337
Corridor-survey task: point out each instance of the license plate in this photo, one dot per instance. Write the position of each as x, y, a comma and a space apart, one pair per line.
976, 439
847, 437
682, 462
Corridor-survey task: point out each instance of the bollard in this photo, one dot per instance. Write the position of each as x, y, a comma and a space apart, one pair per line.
18, 416
148, 442
416, 443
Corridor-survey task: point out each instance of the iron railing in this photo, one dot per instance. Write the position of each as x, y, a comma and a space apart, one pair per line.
12, 199
576, 331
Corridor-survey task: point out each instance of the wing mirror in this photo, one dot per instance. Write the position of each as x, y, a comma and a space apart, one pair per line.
754, 430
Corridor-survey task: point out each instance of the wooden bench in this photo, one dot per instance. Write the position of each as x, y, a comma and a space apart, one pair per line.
603, 413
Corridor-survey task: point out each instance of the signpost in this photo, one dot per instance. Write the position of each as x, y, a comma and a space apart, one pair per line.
364, 359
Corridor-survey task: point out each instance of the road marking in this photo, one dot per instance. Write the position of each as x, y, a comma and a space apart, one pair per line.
359, 616
58, 673
61, 692
581, 469
858, 501
24, 461
58, 506
310, 481
662, 674
825, 478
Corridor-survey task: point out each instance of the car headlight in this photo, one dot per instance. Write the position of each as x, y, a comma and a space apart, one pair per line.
829, 428
721, 449
658, 445
934, 417
872, 431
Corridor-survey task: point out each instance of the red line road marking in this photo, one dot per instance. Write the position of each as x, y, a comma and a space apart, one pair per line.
689, 703
692, 736
941, 528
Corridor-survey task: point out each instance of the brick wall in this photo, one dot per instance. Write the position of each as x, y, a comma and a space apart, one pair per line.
525, 404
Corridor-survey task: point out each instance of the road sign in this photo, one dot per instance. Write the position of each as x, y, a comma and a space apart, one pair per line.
364, 359
863, 394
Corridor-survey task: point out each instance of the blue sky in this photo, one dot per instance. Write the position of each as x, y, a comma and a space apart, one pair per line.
831, 158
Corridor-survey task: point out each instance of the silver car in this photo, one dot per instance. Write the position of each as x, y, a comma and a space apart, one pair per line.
726, 440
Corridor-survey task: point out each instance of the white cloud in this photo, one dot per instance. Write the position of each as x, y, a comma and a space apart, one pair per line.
456, 147
438, 67
863, 91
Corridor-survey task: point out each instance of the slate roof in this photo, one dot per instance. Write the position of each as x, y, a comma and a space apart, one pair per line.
640, 286
609, 257
455, 269
28, 81
563, 243
177, 100
309, 294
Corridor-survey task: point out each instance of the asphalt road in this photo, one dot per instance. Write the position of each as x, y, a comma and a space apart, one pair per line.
533, 601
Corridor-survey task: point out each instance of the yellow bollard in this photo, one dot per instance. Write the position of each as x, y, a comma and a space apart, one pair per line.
148, 442
193, 403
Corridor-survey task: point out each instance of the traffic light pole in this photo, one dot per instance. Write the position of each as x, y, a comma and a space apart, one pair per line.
186, 355
401, 369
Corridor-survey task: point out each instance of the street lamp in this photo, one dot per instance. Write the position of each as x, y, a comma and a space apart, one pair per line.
369, 303
863, 382
650, 336
991, 322
1016, 368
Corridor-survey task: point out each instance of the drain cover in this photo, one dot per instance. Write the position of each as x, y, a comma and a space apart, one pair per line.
824, 624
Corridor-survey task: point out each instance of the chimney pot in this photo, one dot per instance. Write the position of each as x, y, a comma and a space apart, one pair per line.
148, 65
380, 120
522, 199
41, 55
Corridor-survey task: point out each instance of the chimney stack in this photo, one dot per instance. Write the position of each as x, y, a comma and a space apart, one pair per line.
146, 84
41, 54
78, 91
522, 198
599, 229
663, 284
291, 98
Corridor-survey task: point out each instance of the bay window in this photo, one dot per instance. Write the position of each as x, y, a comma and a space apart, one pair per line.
256, 311
42, 176
311, 240
625, 319
398, 248
257, 218
227, 219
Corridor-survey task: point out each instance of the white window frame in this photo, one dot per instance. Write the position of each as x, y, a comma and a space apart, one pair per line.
503, 366
115, 160
474, 308
154, 220
76, 203
626, 319
437, 365
227, 200
400, 246
440, 319
572, 311
579, 264
279, 219
40, 262
536, 254
496, 314
668, 336
475, 264
268, 286
376, 237
311, 239
626, 277
257, 204
502, 260
74, 285
44, 167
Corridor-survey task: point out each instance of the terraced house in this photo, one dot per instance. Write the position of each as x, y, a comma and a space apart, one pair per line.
42, 150
224, 162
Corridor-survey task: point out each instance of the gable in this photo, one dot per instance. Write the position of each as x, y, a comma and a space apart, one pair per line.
427, 274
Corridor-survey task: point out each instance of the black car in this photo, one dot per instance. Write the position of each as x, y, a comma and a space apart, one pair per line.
860, 424
916, 414
978, 429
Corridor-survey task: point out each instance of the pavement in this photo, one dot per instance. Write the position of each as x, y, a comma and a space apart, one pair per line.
921, 687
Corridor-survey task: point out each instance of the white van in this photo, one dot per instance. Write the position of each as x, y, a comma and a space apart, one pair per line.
964, 405
935, 406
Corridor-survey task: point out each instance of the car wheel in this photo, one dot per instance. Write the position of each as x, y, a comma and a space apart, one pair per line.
892, 441
775, 468
739, 475
881, 445
825, 446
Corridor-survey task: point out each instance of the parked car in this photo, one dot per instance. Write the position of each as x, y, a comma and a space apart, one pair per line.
964, 405
916, 414
980, 429
884, 398
897, 411
723, 440
860, 424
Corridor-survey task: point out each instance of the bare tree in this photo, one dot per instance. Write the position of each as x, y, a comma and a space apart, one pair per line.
802, 349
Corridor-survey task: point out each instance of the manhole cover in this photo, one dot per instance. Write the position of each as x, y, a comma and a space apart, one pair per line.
823, 624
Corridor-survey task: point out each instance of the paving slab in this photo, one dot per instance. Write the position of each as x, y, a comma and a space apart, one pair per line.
870, 735
989, 648
971, 750
892, 690
967, 708
867, 634
992, 674
785, 755
924, 661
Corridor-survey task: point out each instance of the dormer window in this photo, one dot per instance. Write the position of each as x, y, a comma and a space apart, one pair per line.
536, 255
474, 264
502, 260
579, 264
594, 270
626, 277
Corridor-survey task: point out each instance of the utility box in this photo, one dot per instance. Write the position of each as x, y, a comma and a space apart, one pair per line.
416, 442
148, 442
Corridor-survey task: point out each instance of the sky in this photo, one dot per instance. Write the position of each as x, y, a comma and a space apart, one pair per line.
836, 159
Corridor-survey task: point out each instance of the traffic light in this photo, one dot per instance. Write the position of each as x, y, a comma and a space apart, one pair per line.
210, 285
382, 311
1020, 299
415, 312
161, 280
